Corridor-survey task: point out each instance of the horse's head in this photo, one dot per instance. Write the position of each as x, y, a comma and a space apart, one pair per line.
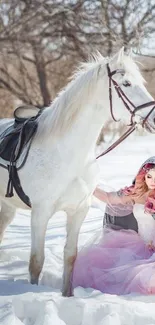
130, 101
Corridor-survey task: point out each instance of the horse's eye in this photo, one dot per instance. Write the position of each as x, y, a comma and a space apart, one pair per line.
126, 83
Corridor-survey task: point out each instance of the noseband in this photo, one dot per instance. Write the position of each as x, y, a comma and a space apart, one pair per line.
126, 102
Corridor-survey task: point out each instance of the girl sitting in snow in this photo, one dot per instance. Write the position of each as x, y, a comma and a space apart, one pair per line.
123, 261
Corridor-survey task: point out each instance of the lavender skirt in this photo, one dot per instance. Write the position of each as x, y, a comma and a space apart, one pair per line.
120, 263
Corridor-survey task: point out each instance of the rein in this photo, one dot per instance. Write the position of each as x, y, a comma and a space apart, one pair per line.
118, 141
126, 102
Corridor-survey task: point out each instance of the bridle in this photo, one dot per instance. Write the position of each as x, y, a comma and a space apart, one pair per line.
127, 102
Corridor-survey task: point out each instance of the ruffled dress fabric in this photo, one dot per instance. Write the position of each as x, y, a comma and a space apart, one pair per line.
120, 263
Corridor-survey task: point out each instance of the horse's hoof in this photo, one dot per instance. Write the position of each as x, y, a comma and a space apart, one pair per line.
34, 281
64, 294
67, 293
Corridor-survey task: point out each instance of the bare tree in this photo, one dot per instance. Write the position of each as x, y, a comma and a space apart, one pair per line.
41, 41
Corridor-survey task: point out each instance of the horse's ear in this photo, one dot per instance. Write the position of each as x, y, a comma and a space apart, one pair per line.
118, 57
130, 52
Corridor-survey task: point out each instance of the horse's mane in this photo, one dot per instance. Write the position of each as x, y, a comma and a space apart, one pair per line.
59, 116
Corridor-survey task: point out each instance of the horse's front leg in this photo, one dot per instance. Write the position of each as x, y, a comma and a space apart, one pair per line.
74, 222
39, 221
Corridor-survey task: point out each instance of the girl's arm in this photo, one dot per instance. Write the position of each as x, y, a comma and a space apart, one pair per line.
111, 197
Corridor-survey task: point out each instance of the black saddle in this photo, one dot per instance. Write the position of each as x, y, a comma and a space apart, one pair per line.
12, 142
15, 137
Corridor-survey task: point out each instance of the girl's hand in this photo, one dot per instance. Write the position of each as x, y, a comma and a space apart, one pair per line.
101, 195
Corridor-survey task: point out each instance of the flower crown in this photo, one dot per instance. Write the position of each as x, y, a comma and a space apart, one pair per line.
148, 167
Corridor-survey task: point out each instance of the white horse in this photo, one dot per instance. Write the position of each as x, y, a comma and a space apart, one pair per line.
61, 171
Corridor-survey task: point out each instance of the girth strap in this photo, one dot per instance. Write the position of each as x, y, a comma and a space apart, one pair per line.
14, 182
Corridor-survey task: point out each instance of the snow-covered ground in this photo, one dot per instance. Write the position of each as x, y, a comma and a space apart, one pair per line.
22, 303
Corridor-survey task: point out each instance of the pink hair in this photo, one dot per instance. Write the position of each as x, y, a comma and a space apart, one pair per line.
139, 188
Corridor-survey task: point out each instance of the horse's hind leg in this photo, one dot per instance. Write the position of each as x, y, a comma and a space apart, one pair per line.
7, 213
74, 222
39, 221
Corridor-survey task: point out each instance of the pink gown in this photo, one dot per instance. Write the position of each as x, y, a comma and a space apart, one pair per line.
121, 263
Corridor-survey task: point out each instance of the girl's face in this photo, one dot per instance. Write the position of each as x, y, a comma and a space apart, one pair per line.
150, 179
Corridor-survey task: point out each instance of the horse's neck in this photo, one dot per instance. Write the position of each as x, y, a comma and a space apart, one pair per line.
77, 115
79, 141
82, 137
